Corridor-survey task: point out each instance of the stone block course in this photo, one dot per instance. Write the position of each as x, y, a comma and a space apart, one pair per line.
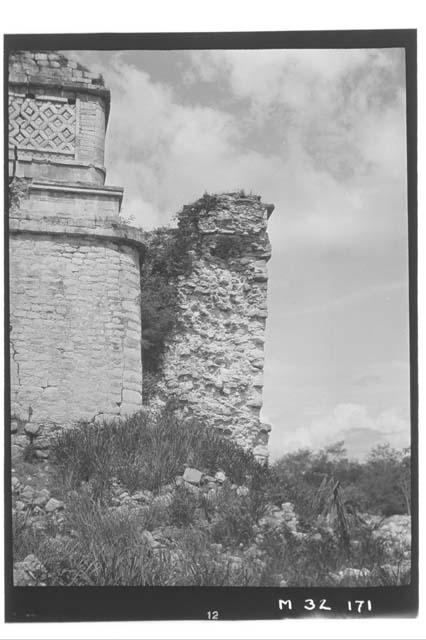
65, 358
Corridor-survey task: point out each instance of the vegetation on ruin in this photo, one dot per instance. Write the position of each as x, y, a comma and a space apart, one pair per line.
147, 450
169, 255
166, 259
129, 517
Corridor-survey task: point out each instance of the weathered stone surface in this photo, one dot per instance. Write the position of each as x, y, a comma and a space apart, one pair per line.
243, 491
54, 505
75, 321
29, 573
32, 429
62, 133
19, 441
42, 455
27, 493
220, 477
16, 451
214, 363
278, 517
261, 451
69, 325
41, 498
193, 476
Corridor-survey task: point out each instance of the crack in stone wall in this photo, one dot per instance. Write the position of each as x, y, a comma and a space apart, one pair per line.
14, 357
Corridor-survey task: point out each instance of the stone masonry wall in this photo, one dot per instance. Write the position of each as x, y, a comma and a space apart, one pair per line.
214, 361
50, 66
74, 329
76, 203
75, 317
58, 112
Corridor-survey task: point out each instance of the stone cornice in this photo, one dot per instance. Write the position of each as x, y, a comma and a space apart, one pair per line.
78, 188
100, 230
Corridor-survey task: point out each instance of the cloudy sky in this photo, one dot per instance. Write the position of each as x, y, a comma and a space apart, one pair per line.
321, 134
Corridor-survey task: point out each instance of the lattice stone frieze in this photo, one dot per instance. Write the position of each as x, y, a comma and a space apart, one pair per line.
42, 125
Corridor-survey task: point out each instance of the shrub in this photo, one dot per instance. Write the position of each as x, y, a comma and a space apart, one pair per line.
29, 453
183, 507
167, 257
379, 485
146, 450
24, 537
205, 563
110, 548
212, 451
232, 522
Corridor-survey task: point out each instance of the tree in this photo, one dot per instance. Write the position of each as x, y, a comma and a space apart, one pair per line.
387, 480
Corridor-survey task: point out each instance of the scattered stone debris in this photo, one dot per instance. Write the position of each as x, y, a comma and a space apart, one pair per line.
193, 476
220, 477
395, 534
144, 497
277, 517
350, 574
32, 429
54, 505
29, 573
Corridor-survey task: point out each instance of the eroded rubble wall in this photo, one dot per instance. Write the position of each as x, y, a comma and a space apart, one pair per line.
214, 360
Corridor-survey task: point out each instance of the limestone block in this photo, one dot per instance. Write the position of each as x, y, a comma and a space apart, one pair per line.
68, 367
32, 429
193, 476
53, 505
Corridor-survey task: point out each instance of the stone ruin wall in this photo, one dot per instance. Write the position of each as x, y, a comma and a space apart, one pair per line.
75, 318
214, 361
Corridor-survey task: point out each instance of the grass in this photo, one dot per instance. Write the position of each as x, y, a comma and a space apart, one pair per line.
145, 451
183, 536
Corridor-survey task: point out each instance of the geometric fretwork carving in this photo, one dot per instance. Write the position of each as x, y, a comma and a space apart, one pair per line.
41, 125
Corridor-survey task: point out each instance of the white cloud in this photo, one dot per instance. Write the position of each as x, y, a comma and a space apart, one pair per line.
322, 135
165, 151
356, 426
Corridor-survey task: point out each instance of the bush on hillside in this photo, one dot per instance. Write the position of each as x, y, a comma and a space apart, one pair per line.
380, 484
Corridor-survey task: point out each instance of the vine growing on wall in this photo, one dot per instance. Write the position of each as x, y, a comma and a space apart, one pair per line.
169, 255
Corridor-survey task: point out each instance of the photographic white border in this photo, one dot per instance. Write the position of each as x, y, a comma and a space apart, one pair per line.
48, 16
